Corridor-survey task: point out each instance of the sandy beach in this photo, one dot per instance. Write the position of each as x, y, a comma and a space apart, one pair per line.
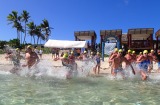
6, 65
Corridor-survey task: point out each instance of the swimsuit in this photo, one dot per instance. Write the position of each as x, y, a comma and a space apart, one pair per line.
98, 60
144, 65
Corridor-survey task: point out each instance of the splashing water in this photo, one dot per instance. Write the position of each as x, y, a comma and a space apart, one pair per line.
46, 68
54, 89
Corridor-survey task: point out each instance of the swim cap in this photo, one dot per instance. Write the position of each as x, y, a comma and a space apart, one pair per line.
17, 49
140, 52
85, 52
116, 50
91, 52
133, 52
71, 52
129, 51
65, 55
120, 50
98, 53
29, 46
152, 50
145, 51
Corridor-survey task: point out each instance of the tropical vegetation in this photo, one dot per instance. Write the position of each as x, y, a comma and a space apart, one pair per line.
23, 25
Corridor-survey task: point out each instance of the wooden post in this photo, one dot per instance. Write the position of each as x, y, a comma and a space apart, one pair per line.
151, 41
129, 41
101, 41
156, 43
92, 44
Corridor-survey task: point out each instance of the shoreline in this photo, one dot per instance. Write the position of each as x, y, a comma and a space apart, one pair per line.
6, 65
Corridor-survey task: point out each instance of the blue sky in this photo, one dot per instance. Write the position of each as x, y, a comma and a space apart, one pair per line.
67, 16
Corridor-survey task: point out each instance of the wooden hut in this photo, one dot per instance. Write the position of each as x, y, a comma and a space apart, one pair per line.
86, 35
140, 38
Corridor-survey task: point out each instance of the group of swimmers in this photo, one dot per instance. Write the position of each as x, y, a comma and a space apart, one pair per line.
68, 60
143, 62
31, 59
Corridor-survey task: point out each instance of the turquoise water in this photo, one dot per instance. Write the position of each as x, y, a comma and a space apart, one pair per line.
17, 90
51, 88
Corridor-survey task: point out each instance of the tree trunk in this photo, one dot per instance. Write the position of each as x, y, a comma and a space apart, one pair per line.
24, 34
37, 40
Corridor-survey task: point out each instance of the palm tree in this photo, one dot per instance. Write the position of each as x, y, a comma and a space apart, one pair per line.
20, 30
14, 19
25, 18
46, 28
38, 33
31, 30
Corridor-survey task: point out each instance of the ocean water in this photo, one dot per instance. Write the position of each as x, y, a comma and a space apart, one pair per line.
50, 87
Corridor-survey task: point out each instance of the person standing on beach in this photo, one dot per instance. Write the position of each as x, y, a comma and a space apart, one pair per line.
36, 50
40, 53
31, 57
53, 53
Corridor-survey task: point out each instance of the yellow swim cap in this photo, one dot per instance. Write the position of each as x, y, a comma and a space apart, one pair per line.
120, 50
116, 50
85, 52
129, 51
152, 50
17, 49
71, 52
140, 52
133, 52
98, 53
29, 46
145, 51
65, 55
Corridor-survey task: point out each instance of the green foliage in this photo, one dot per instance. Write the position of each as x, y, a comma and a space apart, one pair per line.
14, 43
105, 55
46, 50
2, 51
2, 43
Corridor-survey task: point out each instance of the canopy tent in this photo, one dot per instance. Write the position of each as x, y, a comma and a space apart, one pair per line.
65, 44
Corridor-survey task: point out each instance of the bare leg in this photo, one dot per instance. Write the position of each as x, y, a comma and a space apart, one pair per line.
143, 75
98, 69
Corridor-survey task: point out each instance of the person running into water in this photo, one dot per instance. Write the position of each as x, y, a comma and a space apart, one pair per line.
140, 54
92, 55
15, 58
96, 69
85, 56
134, 56
69, 62
111, 57
129, 56
158, 60
154, 58
31, 57
117, 64
144, 62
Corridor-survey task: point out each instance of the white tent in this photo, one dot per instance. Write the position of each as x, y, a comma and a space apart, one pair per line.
65, 44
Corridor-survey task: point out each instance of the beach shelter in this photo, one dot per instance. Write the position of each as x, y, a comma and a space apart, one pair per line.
65, 44
140, 38
86, 35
